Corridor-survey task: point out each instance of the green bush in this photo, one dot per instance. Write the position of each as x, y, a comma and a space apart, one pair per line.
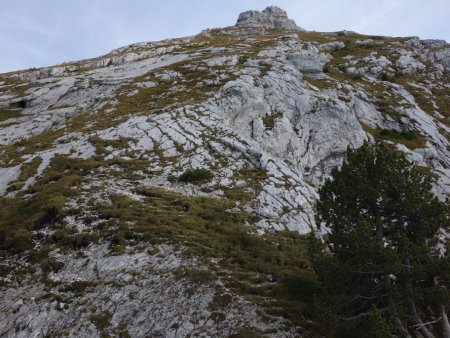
69, 239
197, 175
51, 265
18, 241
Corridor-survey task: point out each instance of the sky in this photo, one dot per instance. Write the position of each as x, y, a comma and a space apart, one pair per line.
38, 33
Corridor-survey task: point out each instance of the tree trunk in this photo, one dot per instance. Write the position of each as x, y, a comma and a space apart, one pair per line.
444, 322
396, 319
421, 327
398, 324
444, 318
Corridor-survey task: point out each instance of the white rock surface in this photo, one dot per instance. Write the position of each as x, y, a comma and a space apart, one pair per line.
139, 289
8, 175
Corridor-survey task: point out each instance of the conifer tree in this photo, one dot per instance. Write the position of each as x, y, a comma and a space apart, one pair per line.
384, 260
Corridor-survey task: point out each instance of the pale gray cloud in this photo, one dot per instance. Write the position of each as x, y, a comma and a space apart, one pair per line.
37, 33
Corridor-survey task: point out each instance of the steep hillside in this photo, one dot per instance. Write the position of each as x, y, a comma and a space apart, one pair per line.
165, 189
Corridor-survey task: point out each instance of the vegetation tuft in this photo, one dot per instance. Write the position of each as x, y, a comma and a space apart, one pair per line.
269, 120
197, 175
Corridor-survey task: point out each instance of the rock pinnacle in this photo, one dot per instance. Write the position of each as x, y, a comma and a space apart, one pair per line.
271, 17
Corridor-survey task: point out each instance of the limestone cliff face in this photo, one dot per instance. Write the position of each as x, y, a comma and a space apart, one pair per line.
265, 108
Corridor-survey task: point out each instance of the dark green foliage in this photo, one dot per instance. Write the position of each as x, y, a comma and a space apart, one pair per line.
51, 265
18, 241
374, 326
102, 320
357, 76
383, 263
197, 175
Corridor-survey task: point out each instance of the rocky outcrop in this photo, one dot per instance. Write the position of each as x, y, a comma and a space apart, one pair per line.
407, 64
433, 43
308, 60
271, 17
442, 57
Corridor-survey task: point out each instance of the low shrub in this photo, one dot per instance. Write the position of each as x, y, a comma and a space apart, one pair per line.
197, 175
18, 241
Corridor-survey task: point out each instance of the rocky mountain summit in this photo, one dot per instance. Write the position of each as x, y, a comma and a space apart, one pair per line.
165, 189
272, 17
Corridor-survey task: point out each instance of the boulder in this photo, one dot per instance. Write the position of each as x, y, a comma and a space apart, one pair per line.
407, 64
308, 61
442, 57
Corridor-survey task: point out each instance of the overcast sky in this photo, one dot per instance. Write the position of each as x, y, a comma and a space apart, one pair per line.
36, 33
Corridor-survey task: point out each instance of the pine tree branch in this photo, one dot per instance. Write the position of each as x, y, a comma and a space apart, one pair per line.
419, 326
367, 272
363, 315
370, 297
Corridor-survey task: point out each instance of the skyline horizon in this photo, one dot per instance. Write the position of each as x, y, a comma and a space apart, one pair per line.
77, 37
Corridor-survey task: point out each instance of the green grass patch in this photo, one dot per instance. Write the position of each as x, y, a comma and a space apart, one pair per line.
41, 204
186, 88
27, 170
423, 99
411, 139
20, 216
6, 114
195, 276
321, 84
13, 85
442, 99
275, 266
10, 155
272, 270
254, 178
